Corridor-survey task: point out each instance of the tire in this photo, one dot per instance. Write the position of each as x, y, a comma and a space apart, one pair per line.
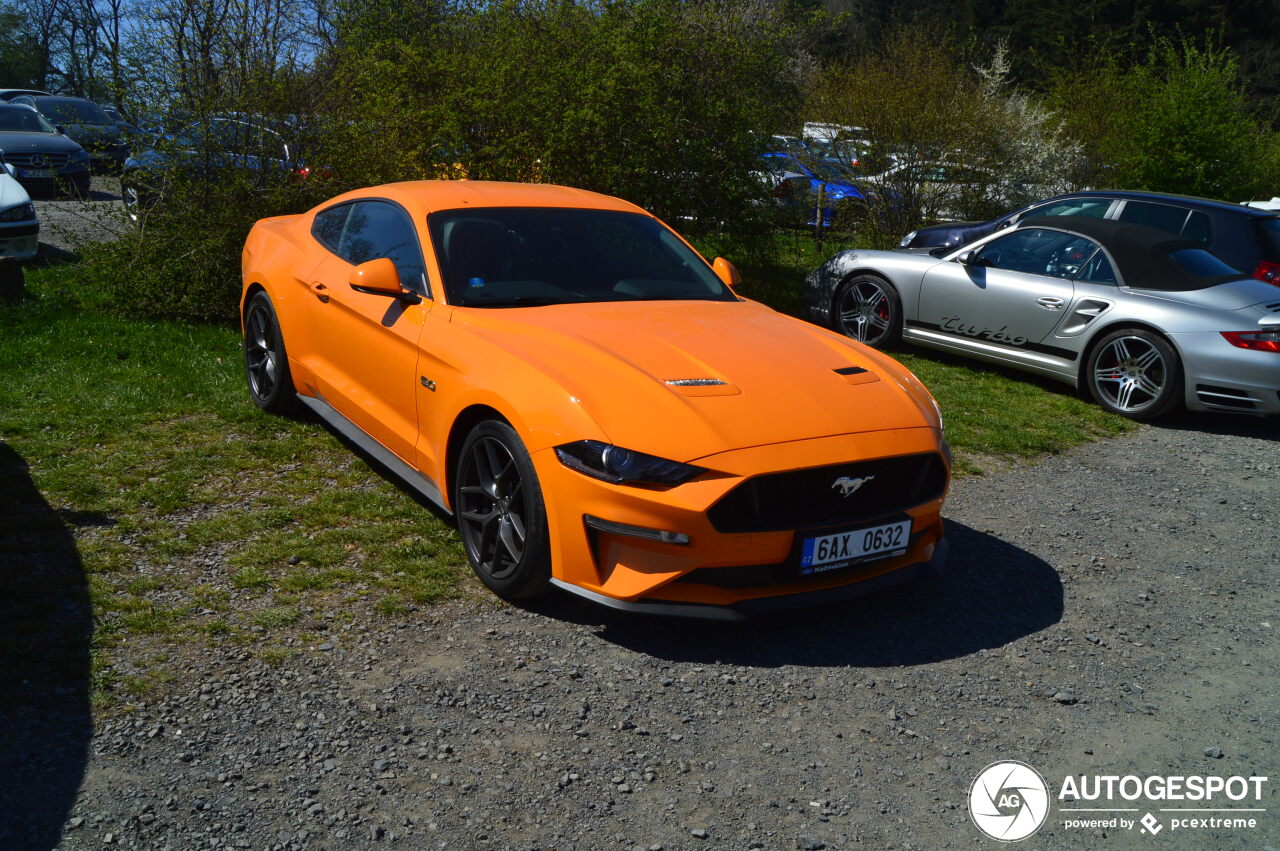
501, 515
266, 364
867, 308
1135, 373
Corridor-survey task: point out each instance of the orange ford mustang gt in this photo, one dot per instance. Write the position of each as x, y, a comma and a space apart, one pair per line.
592, 402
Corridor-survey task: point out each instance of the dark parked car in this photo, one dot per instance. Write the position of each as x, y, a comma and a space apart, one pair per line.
86, 123
1246, 238
206, 150
9, 94
43, 159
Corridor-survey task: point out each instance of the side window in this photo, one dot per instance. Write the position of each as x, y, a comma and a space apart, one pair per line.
1098, 270
1094, 208
1163, 216
328, 225
1197, 227
1038, 251
378, 229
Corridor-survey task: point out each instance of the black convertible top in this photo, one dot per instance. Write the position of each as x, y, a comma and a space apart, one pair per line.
1141, 254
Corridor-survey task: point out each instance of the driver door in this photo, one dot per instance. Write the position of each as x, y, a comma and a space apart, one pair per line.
1013, 290
366, 345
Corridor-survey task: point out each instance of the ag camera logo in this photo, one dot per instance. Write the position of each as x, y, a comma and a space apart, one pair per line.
1008, 801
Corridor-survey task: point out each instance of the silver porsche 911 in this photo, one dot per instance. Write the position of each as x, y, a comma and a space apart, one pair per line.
1144, 320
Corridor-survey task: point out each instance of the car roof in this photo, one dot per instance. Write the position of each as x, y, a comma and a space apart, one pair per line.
1141, 253
1184, 200
461, 194
5, 94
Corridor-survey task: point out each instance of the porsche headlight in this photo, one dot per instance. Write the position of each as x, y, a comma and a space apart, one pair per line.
623, 466
20, 213
906, 240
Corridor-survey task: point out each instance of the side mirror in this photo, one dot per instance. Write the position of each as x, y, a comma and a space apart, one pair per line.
727, 272
61, 132
966, 258
377, 277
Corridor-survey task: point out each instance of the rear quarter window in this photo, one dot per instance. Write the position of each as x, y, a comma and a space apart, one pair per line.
1269, 237
1201, 263
1163, 216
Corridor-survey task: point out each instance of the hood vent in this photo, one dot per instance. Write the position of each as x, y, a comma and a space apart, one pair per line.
856, 374
702, 387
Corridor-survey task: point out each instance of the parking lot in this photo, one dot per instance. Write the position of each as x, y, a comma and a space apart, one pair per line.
1108, 611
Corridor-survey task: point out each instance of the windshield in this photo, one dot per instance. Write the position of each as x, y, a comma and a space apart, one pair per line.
73, 111
527, 256
21, 118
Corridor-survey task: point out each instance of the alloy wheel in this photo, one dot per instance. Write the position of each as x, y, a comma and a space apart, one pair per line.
865, 311
491, 513
1130, 373
261, 357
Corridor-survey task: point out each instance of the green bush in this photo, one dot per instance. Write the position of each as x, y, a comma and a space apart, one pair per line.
1181, 122
181, 259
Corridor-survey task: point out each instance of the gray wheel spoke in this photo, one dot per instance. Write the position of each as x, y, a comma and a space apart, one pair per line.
1146, 360
1124, 396
1149, 386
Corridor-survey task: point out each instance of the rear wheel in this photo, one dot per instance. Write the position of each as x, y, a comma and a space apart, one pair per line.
501, 516
1135, 373
867, 308
266, 364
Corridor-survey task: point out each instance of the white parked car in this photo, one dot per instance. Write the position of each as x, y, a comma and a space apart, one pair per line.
19, 228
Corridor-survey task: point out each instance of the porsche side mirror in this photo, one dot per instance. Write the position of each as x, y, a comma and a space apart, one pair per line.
377, 277
727, 272
966, 258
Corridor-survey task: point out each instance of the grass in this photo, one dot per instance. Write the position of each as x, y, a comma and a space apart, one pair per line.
140, 437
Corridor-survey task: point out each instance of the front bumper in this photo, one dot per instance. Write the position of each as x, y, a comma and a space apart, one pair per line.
741, 572
20, 241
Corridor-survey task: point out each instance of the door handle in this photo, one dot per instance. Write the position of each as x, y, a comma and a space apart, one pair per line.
1049, 302
321, 291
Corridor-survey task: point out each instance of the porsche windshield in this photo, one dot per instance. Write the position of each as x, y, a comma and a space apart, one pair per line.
528, 256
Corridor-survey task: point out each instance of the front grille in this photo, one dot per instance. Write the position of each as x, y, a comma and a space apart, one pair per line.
812, 499
27, 159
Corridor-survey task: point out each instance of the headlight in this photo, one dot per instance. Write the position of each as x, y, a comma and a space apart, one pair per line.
20, 213
80, 156
906, 240
623, 466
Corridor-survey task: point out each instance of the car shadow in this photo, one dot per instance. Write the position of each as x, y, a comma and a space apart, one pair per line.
992, 593
1222, 424
46, 625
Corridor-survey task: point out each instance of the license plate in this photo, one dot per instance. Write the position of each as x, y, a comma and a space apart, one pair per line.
832, 552
35, 172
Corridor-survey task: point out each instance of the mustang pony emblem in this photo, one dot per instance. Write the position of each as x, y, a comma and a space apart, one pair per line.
849, 486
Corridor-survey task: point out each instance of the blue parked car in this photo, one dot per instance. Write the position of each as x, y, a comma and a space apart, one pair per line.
796, 184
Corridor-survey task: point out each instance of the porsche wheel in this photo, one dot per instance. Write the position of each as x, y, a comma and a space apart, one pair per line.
266, 365
501, 516
1135, 373
867, 308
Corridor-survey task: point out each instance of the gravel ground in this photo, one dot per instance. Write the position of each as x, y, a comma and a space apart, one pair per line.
67, 224
1108, 611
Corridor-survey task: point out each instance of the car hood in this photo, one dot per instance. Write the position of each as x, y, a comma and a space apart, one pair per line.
616, 358
25, 140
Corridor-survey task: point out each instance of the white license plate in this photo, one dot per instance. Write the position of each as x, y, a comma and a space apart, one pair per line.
35, 172
832, 552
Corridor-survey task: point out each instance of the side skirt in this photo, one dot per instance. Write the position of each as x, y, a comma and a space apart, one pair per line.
384, 456
1047, 365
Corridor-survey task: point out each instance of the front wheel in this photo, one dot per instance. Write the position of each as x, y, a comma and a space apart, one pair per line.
266, 364
867, 308
501, 516
1135, 373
